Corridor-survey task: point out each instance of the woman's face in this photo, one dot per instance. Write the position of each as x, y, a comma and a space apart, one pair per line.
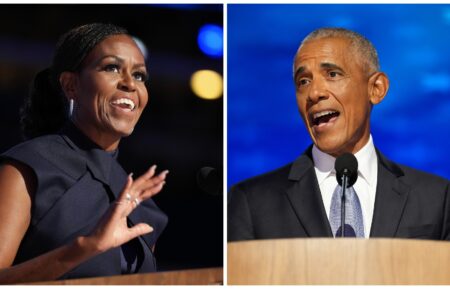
110, 92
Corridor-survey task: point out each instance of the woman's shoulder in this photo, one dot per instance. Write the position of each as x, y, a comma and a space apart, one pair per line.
46, 154
40, 147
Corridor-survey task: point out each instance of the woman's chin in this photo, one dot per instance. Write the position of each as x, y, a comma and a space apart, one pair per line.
122, 130
126, 132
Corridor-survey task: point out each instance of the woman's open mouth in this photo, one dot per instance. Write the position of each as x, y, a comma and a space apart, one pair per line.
124, 104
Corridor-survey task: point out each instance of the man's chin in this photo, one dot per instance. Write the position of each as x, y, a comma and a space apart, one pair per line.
330, 147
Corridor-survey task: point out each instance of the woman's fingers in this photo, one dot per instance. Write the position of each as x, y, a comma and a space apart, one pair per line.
122, 205
153, 184
136, 191
148, 193
112, 229
149, 179
147, 175
155, 180
125, 194
139, 230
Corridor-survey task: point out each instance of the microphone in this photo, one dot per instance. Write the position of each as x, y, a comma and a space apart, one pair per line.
210, 181
346, 167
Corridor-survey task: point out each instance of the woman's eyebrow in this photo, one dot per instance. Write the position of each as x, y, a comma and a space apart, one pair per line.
121, 60
117, 58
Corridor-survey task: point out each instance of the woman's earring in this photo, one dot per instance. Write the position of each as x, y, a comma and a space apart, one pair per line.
71, 107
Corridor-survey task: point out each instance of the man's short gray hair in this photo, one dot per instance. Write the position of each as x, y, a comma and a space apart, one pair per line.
362, 45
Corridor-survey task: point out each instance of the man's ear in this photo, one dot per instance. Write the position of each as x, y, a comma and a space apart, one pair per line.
68, 82
378, 87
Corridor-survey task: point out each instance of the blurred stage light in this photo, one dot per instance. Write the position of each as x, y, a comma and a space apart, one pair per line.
210, 40
207, 84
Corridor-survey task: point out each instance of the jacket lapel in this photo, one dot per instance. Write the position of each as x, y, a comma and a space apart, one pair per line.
305, 198
105, 169
96, 160
390, 200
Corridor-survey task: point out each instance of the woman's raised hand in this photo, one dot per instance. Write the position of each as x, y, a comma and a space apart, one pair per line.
112, 230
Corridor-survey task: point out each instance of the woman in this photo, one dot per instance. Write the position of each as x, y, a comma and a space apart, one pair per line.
67, 207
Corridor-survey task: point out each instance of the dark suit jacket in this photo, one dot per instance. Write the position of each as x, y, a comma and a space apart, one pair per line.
76, 182
287, 203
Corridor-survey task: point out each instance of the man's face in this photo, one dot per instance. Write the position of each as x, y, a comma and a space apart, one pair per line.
332, 90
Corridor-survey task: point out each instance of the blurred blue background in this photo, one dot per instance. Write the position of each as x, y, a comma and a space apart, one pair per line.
411, 126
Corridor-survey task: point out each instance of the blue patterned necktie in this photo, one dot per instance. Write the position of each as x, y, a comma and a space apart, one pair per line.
354, 225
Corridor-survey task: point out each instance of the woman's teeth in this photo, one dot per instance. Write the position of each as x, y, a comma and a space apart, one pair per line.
125, 101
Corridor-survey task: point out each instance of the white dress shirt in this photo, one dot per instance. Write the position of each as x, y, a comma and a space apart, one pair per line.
365, 186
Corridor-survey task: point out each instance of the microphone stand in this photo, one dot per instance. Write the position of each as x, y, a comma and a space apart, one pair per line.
344, 187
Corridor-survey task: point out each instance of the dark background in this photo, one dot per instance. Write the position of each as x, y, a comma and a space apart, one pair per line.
177, 131
412, 124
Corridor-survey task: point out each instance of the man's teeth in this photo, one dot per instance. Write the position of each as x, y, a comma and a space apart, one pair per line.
126, 101
323, 113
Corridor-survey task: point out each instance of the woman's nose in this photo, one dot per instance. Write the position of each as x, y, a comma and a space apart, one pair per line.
127, 82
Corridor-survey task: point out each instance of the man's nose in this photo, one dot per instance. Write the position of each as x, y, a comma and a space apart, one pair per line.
318, 91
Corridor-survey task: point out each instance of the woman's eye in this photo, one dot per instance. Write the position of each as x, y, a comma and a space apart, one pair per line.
112, 68
140, 76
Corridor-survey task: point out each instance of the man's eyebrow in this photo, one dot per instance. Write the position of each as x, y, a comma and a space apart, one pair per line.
328, 65
298, 71
323, 65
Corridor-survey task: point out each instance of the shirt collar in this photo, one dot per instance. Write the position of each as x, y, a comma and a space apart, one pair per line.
367, 163
89, 153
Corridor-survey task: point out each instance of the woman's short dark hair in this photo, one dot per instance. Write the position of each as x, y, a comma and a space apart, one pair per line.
45, 110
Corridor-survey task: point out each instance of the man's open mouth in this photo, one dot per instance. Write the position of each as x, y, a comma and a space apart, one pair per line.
322, 117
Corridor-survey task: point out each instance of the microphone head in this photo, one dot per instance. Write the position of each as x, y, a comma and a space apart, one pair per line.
348, 165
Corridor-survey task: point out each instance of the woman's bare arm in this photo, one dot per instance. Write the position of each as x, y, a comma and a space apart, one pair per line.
15, 208
17, 183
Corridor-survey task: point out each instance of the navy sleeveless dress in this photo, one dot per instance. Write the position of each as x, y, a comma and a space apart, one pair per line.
76, 183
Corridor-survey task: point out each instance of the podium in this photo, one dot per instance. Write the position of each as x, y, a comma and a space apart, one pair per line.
209, 276
350, 261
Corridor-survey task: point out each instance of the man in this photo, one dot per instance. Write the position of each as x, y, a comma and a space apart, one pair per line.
338, 80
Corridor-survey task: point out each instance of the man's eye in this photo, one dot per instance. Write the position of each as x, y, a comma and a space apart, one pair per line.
140, 76
303, 82
333, 73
